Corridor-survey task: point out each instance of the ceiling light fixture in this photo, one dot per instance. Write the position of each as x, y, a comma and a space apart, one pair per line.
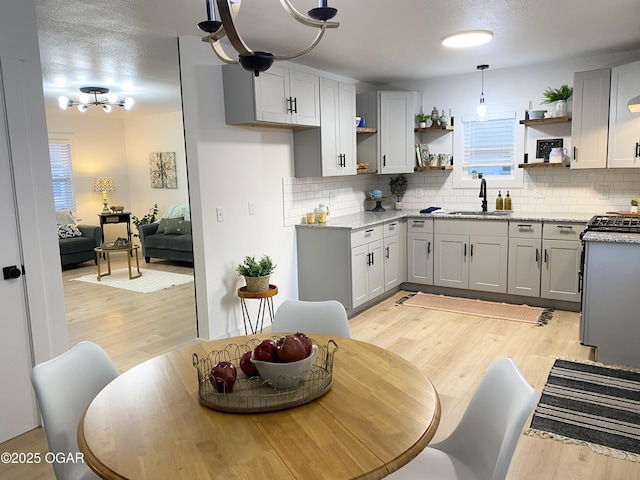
469, 38
251, 60
482, 108
634, 104
85, 100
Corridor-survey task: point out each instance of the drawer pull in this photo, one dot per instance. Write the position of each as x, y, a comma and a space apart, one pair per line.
561, 227
369, 231
525, 225
392, 225
421, 222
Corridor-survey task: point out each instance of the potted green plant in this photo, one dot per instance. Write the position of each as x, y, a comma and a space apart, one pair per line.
559, 96
398, 186
421, 119
634, 205
256, 273
148, 218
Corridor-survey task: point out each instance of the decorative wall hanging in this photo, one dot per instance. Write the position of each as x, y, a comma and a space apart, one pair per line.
162, 168
544, 146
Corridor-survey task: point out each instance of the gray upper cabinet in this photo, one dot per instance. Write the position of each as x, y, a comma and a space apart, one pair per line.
590, 125
391, 150
624, 126
279, 96
330, 150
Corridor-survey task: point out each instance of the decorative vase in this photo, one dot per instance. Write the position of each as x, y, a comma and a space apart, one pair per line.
634, 208
257, 284
422, 125
561, 108
398, 205
444, 119
435, 116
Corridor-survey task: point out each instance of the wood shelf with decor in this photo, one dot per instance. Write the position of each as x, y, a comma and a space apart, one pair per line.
440, 128
543, 164
364, 171
366, 130
544, 121
439, 167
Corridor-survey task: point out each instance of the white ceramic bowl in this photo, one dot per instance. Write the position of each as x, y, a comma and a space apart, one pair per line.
536, 114
285, 375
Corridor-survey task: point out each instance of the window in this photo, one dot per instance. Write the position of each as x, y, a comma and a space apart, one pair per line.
492, 146
61, 174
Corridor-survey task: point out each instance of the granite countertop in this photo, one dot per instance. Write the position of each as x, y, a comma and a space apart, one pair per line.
369, 218
611, 237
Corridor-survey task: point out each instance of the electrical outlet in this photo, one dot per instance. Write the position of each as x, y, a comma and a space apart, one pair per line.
220, 214
252, 208
603, 192
538, 194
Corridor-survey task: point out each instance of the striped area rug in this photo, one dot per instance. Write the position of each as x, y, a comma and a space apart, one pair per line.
592, 405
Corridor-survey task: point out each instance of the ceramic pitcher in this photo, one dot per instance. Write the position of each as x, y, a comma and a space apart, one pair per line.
557, 155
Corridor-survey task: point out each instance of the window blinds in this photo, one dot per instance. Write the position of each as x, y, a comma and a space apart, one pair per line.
61, 174
489, 145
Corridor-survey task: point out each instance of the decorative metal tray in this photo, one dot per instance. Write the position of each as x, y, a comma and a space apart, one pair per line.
254, 394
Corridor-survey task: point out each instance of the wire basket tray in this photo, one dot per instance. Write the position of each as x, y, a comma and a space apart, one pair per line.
253, 394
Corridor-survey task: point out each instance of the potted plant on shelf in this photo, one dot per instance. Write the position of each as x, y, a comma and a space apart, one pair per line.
256, 273
421, 119
559, 96
398, 186
634, 205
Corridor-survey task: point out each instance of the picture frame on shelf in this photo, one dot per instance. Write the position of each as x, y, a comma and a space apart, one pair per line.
544, 146
422, 154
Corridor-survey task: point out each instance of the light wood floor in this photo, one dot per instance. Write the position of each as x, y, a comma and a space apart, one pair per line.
453, 350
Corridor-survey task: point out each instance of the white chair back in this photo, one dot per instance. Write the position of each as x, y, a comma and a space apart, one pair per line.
64, 387
325, 317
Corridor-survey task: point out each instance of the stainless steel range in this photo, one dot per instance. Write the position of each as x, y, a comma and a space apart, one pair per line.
610, 275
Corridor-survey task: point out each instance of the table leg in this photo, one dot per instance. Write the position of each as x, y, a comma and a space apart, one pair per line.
245, 316
131, 277
98, 260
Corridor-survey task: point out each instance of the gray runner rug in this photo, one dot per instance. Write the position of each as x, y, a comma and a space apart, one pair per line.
592, 405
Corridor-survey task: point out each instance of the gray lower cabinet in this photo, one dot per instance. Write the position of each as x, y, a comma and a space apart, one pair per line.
395, 255
561, 252
471, 254
420, 251
525, 258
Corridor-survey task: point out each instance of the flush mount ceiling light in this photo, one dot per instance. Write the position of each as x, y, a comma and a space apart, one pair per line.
482, 108
634, 104
469, 38
85, 100
251, 60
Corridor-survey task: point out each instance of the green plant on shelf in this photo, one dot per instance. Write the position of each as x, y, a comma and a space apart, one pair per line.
551, 95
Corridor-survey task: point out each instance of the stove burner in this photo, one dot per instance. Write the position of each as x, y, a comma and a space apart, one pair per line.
614, 223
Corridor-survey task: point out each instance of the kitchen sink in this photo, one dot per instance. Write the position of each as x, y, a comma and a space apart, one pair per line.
494, 213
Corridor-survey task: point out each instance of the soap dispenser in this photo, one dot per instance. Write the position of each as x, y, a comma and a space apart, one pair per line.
499, 201
507, 202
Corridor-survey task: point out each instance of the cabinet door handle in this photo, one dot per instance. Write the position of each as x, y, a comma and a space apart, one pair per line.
471, 250
372, 259
546, 257
428, 247
575, 153
465, 249
537, 255
294, 107
384, 160
289, 105
368, 259
387, 253
637, 149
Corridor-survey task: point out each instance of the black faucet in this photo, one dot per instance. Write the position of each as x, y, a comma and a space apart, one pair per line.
483, 194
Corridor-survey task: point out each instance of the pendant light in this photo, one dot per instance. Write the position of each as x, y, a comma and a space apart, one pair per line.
482, 108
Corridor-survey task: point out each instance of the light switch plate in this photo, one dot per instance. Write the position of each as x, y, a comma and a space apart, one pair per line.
220, 214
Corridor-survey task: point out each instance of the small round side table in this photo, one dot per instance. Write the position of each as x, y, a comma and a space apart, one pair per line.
266, 302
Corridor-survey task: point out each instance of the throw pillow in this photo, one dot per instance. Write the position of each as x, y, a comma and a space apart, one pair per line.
177, 227
162, 224
68, 231
65, 217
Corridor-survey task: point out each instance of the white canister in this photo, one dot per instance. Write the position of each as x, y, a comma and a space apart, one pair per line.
556, 155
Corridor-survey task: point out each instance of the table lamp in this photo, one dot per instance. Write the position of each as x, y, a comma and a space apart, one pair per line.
104, 185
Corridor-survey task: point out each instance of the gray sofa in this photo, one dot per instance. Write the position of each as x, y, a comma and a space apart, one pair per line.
80, 249
169, 239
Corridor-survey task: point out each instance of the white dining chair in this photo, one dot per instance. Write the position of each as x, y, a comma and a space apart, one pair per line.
481, 446
64, 387
327, 317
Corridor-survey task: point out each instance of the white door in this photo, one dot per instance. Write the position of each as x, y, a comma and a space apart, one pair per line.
19, 413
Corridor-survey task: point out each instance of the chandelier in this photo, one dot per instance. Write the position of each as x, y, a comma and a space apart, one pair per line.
251, 60
85, 100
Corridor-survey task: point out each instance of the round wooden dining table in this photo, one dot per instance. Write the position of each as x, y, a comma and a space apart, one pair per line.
379, 413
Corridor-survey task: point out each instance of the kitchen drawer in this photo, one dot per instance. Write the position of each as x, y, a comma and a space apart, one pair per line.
489, 228
420, 225
366, 235
522, 229
562, 231
392, 228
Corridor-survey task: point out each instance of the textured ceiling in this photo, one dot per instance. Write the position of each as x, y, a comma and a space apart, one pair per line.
130, 46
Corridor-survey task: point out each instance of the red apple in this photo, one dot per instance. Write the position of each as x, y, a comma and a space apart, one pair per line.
223, 377
247, 367
291, 349
306, 341
265, 351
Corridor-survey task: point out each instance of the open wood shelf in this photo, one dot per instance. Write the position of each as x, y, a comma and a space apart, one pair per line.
363, 171
440, 167
444, 128
366, 130
542, 121
543, 164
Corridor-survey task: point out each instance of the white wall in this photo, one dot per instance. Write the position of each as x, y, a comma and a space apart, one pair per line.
228, 167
